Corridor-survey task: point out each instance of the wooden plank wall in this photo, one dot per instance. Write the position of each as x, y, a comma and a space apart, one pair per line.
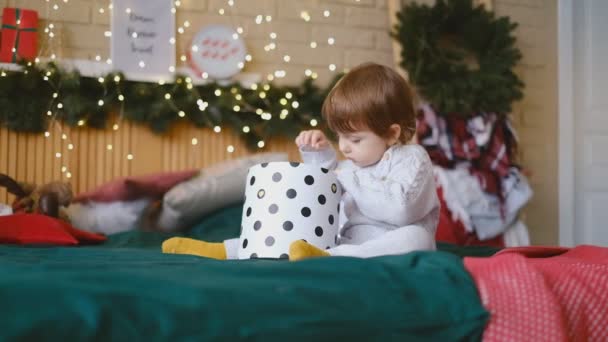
32, 157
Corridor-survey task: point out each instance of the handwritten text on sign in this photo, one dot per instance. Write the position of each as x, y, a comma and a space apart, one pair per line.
143, 38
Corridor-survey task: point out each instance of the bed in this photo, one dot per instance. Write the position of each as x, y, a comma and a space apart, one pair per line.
126, 289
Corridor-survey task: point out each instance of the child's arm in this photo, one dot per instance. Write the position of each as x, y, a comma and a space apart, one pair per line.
400, 192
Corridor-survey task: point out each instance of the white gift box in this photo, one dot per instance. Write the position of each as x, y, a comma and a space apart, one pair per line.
285, 202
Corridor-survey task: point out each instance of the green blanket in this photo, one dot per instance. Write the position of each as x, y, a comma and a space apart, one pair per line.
127, 289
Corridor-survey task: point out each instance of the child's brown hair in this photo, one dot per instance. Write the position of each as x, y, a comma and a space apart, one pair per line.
371, 96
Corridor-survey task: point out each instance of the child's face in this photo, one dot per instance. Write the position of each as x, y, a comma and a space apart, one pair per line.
364, 147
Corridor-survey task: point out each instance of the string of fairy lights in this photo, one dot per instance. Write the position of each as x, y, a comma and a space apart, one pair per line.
51, 45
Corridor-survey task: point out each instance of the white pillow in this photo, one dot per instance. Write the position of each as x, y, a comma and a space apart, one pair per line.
107, 217
5, 210
214, 188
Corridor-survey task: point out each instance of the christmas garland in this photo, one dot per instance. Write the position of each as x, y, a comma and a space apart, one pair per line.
459, 56
31, 98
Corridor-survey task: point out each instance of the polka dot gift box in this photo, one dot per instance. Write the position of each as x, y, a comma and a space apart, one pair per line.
287, 201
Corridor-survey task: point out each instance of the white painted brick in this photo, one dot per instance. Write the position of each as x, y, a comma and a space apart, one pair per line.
193, 5
99, 17
528, 36
526, 3
84, 53
248, 8
344, 36
515, 115
286, 31
524, 16
86, 36
384, 41
367, 17
292, 10
300, 54
76, 11
295, 73
382, 4
532, 115
535, 77
362, 3
534, 56
199, 21
534, 136
356, 57
538, 95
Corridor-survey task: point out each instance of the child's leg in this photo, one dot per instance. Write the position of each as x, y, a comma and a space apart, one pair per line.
399, 241
215, 250
232, 248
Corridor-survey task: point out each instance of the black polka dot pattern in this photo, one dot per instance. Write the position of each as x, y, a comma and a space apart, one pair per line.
245, 243
319, 231
257, 225
273, 209
331, 219
269, 241
322, 199
277, 177
264, 164
248, 211
287, 225
284, 256
254, 256
310, 180
252, 180
305, 211
294, 164
291, 193
324, 170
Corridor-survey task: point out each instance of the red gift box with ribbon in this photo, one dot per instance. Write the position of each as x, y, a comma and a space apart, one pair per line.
19, 35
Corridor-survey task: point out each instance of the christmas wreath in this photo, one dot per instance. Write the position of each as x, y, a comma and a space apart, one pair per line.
459, 56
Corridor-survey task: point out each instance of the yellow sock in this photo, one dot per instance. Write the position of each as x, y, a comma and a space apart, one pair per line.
178, 245
300, 249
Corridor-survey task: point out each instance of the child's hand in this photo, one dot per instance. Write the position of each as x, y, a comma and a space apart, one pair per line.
313, 138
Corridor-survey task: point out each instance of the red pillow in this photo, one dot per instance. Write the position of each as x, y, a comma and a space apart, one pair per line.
36, 229
136, 187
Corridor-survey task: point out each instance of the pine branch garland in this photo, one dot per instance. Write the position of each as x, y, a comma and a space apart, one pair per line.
29, 95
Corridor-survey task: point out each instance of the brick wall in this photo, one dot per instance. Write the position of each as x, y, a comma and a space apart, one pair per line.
360, 29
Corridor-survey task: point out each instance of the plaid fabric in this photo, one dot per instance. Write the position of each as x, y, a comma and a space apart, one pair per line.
484, 141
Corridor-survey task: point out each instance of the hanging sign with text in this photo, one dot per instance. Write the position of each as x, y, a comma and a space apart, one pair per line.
143, 38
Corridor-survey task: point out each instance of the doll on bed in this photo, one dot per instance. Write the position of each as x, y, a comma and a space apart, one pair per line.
389, 200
